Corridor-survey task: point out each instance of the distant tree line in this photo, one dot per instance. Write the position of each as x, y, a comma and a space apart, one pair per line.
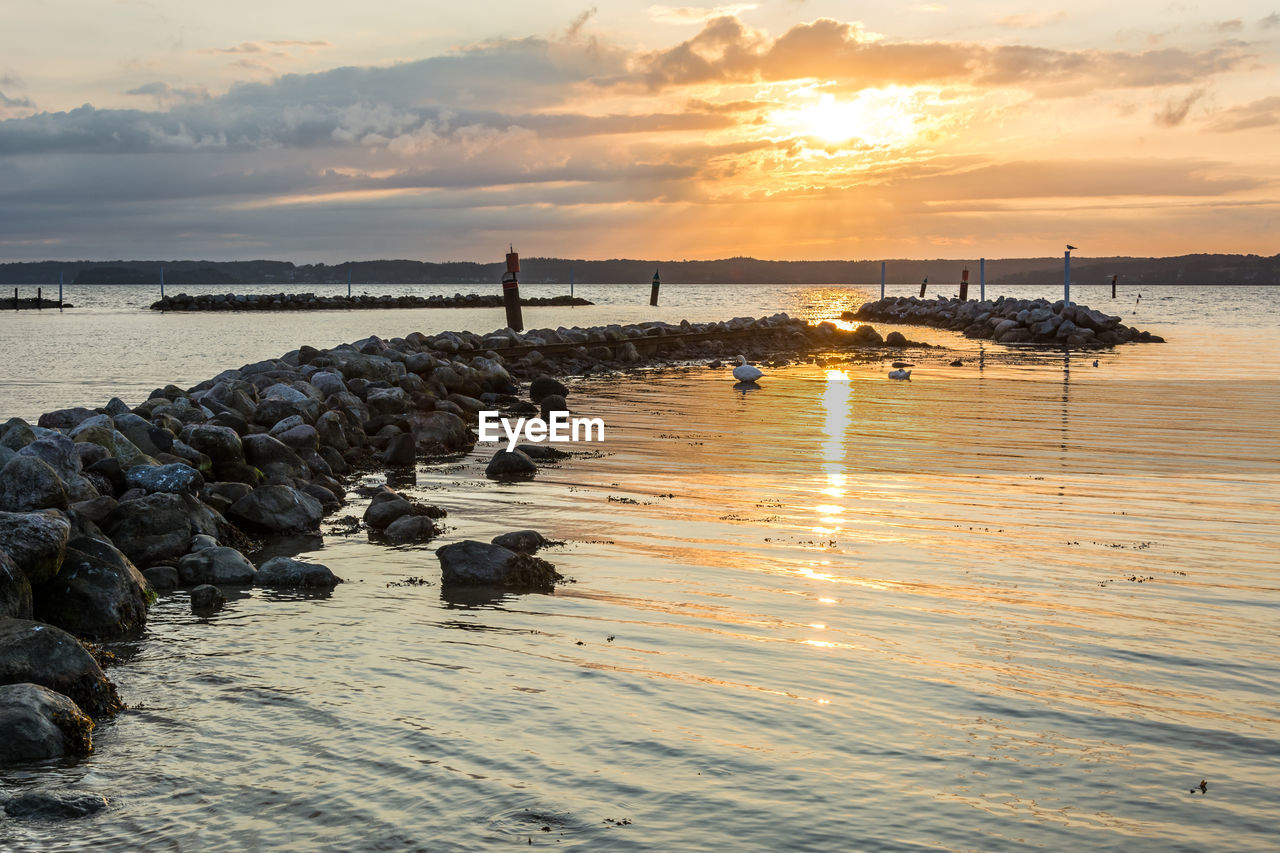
1185, 269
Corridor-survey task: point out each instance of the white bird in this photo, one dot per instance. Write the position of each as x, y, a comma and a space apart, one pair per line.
745, 372
900, 374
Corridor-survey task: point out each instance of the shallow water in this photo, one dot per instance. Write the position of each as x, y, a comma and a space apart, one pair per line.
1025, 602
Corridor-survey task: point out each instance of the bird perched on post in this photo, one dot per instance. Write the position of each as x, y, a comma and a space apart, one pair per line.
745, 372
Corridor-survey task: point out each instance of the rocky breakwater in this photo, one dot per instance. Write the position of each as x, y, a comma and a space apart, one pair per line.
101, 509
312, 302
1008, 321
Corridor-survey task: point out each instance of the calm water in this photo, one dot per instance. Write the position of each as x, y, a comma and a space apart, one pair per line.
1024, 603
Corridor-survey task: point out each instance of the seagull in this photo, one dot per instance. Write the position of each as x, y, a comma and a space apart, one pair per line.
1071, 247
900, 374
745, 372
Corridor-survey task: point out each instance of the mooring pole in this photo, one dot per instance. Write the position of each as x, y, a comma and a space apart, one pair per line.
571, 282
1066, 278
882, 279
1113, 286
15, 299
38, 305
59, 291
511, 291
348, 282
964, 285
923, 285
653, 291
162, 282
982, 279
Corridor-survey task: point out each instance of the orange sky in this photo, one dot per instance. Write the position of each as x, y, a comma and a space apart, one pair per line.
777, 130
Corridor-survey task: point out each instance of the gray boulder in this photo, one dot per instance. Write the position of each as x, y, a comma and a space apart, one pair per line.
472, 563
144, 435
409, 529
280, 572
277, 509
161, 578
42, 654
385, 508
99, 594
154, 529
35, 541
274, 457
39, 723
207, 598
28, 483
175, 477
510, 465
16, 434
15, 590
401, 451
521, 541
60, 453
219, 565
440, 430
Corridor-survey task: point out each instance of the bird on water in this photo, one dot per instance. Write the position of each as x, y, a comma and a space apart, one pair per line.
745, 372
900, 374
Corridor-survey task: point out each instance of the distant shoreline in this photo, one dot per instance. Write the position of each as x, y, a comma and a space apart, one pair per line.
1210, 270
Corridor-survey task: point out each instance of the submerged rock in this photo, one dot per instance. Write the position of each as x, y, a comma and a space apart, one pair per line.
206, 598
39, 723
60, 805
472, 563
521, 541
510, 465
409, 529
287, 572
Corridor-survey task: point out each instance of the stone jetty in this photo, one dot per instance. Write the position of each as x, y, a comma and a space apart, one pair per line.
311, 302
1008, 321
101, 509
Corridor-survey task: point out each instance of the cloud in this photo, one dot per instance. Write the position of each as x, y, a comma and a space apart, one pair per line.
166, 95
1032, 22
21, 102
1175, 111
1264, 112
273, 47
683, 15
726, 51
1270, 21
1234, 25
576, 25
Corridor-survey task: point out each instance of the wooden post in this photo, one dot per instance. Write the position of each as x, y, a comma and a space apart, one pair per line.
38, 297
964, 285
923, 285
162, 282
653, 291
1066, 278
348, 282
882, 279
511, 291
1113, 286
570, 282
15, 299
982, 279
59, 291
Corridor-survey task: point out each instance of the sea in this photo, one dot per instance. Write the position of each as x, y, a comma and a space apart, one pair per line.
1029, 602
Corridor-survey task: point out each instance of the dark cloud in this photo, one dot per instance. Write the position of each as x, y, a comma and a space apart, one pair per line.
1264, 112
22, 102
1175, 111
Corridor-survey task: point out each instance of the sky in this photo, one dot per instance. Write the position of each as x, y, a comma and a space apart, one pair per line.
321, 131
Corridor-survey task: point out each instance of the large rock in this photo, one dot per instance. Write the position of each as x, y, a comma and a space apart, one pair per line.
281, 401
385, 508
15, 590
274, 457
510, 465
65, 418
60, 453
357, 365
42, 654
102, 432
175, 477
280, 572
154, 529
401, 451
35, 541
218, 565
277, 509
409, 529
39, 723
221, 444
472, 563
99, 594
144, 435
440, 431
28, 483
521, 541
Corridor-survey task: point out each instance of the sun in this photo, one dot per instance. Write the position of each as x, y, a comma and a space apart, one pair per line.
876, 117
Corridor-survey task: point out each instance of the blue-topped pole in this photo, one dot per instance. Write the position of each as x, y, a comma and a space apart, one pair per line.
882, 279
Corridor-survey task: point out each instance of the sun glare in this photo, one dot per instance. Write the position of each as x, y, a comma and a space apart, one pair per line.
874, 116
